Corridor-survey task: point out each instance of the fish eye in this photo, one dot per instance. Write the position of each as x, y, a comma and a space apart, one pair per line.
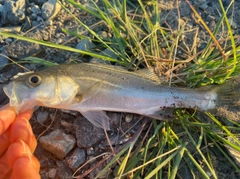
34, 80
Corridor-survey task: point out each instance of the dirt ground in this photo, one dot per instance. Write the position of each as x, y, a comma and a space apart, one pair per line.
89, 141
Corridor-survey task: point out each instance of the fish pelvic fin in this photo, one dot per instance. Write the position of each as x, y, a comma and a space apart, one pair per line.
228, 99
97, 118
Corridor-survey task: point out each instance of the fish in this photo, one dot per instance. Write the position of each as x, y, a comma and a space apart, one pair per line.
92, 89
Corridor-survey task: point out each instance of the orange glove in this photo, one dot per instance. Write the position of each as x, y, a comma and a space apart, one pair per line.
17, 144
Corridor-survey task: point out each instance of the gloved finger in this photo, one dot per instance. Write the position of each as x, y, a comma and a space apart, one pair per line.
20, 149
26, 167
21, 129
5, 170
4, 141
7, 116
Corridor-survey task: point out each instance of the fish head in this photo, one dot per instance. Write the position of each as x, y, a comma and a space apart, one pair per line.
41, 89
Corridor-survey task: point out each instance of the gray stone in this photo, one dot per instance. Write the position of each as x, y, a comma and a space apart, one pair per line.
204, 6
3, 61
58, 143
13, 12
39, 2
21, 49
63, 171
77, 158
85, 45
48, 22
50, 9
36, 9
106, 52
33, 16
86, 133
52, 173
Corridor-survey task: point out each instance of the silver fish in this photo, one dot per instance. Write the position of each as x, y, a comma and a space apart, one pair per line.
93, 89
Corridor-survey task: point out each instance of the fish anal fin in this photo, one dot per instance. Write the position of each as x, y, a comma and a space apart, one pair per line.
97, 118
88, 93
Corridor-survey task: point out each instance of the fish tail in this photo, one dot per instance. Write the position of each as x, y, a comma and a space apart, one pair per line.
228, 99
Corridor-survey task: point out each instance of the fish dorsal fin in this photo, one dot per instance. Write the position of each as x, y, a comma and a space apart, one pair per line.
149, 73
97, 118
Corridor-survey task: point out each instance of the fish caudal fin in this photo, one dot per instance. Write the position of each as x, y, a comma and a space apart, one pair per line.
228, 100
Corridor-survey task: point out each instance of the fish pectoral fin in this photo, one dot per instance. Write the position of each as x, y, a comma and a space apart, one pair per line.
90, 92
97, 118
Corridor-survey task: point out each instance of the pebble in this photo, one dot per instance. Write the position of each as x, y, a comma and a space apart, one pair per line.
204, 6
3, 61
85, 45
77, 158
48, 22
8, 40
13, 12
106, 52
63, 171
33, 16
35, 9
90, 151
50, 9
129, 117
52, 173
21, 49
86, 133
58, 143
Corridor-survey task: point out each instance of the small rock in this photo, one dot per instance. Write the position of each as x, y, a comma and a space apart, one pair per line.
39, 19
58, 143
33, 16
13, 12
77, 158
63, 171
203, 6
52, 173
8, 40
86, 133
106, 52
36, 9
39, 2
48, 22
232, 23
129, 117
21, 49
85, 45
90, 151
50, 9
3, 61
66, 124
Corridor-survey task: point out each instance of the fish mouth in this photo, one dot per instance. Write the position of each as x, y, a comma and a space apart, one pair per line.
14, 101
